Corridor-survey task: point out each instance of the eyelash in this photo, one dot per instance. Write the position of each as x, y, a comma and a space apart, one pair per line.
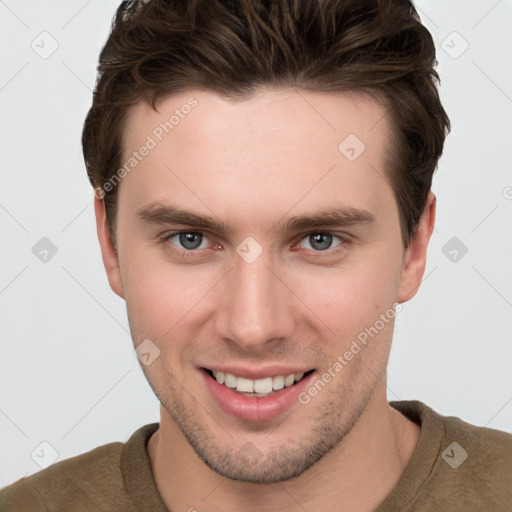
344, 241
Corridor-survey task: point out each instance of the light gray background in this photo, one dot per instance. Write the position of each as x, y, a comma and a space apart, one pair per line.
68, 375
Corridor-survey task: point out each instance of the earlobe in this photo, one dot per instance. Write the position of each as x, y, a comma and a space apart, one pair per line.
108, 252
415, 258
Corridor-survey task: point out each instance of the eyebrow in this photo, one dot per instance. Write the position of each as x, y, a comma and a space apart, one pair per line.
163, 213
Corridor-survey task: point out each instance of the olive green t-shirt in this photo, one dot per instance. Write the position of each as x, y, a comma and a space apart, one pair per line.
456, 467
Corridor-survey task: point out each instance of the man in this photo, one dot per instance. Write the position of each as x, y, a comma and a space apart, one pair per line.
225, 141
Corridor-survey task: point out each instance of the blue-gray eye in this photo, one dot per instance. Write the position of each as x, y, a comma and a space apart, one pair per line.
188, 240
321, 241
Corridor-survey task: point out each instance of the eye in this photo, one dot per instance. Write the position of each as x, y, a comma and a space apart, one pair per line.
320, 241
187, 240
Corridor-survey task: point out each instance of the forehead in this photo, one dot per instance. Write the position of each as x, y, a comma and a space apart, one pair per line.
303, 114
278, 148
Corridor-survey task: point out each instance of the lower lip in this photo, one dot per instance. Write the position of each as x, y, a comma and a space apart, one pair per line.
253, 408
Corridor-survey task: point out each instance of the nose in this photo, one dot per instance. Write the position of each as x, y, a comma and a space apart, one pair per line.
255, 308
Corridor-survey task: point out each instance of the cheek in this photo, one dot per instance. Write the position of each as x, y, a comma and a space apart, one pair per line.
351, 297
159, 296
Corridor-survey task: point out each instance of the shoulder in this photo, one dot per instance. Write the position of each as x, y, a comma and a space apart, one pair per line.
473, 467
476, 440
486, 452
456, 465
84, 482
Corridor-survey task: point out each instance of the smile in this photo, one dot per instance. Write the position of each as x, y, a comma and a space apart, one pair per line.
258, 388
259, 399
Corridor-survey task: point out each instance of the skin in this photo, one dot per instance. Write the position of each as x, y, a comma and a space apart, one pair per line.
251, 164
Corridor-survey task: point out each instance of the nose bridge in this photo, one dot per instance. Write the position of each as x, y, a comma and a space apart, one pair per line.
254, 309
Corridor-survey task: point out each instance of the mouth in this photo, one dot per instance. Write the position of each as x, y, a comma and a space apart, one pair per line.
257, 388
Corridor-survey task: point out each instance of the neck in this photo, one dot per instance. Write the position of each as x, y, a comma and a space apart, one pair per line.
356, 475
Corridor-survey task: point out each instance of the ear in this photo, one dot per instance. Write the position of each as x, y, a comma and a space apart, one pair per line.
415, 258
108, 251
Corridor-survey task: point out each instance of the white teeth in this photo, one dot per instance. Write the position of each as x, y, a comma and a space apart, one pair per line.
229, 380
278, 382
244, 385
260, 387
263, 385
289, 380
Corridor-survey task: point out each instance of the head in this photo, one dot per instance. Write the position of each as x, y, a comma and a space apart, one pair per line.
255, 117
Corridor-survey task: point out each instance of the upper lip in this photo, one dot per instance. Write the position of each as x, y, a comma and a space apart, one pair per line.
257, 373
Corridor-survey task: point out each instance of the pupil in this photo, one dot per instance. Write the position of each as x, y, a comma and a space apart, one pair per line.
324, 240
187, 240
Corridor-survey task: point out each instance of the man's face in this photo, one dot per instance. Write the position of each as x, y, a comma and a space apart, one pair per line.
261, 298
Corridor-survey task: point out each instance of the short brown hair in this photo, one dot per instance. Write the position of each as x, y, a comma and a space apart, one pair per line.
233, 47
